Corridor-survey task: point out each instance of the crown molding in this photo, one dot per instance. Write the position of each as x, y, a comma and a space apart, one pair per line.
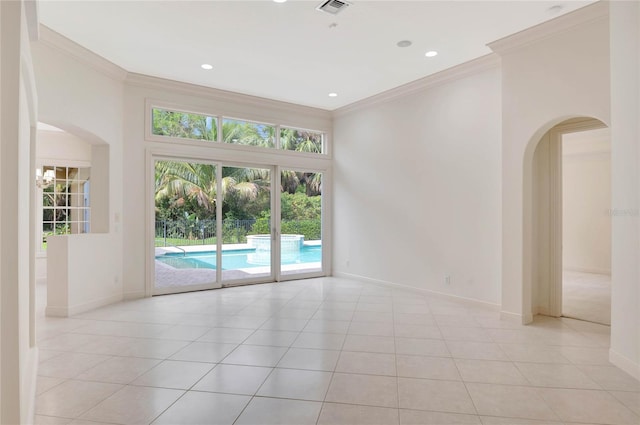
83, 55
157, 83
457, 72
586, 15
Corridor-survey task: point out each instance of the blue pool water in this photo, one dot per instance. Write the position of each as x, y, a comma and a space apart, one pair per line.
237, 259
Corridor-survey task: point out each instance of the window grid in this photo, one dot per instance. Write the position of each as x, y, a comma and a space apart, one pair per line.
65, 201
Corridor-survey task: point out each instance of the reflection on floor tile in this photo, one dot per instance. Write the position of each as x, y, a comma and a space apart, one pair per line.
196, 408
233, 379
325, 351
274, 411
296, 384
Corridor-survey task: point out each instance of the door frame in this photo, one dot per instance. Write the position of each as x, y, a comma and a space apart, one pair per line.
555, 210
224, 159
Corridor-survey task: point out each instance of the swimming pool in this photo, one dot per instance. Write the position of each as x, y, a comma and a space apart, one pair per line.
237, 259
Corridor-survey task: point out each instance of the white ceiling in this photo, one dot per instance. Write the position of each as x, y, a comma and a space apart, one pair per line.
290, 51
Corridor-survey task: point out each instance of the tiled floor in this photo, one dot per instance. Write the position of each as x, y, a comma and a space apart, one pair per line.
325, 351
586, 296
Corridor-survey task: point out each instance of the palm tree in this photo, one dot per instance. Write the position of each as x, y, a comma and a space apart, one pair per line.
186, 181
248, 133
184, 125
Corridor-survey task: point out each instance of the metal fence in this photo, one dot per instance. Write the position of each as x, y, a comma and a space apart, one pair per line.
203, 232
200, 232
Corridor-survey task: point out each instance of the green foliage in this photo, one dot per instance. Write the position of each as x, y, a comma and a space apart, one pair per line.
299, 206
184, 125
261, 226
248, 133
301, 140
301, 215
311, 229
186, 197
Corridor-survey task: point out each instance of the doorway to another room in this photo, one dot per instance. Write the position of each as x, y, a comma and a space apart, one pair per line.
586, 225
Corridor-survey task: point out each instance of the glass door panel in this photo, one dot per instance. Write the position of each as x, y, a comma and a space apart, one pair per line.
301, 222
246, 224
185, 226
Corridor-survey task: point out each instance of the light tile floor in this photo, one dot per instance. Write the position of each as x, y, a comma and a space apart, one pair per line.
325, 351
586, 296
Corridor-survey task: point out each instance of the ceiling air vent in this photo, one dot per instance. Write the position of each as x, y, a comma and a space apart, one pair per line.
333, 6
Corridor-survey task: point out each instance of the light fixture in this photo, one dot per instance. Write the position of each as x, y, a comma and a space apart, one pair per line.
279, 1
206, 66
44, 181
333, 94
431, 53
403, 43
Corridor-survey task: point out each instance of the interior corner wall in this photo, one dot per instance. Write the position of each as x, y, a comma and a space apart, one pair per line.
76, 97
625, 162
544, 82
417, 189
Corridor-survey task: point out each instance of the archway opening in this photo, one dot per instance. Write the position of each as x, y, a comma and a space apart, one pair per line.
72, 193
567, 221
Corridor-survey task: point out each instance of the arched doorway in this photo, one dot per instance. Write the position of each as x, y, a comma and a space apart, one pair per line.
543, 213
71, 198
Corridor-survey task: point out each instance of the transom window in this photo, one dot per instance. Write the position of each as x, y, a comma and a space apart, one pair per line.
201, 127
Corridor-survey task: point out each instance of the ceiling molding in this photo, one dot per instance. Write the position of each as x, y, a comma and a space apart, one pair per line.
586, 15
61, 43
474, 66
147, 81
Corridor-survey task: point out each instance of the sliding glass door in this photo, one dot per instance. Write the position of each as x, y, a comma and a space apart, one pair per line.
300, 222
246, 224
215, 226
186, 235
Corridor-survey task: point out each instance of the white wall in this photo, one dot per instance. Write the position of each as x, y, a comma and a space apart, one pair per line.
586, 201
625, 160
83, 95
76, 260
552, 72
417, 186
61, 148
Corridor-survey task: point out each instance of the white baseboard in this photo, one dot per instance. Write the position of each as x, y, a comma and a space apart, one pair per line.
66, 311
587, 270
624, 363
28, 410
133, 295
464, 300
523, 319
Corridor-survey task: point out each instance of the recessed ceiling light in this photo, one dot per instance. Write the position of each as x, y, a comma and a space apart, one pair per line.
279, 1
431, 53
403, 43
206, 66
333, 94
